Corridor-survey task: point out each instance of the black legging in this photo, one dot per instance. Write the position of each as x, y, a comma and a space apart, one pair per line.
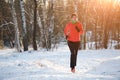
73, 46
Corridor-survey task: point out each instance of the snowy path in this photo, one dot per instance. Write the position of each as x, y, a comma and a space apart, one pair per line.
42, 65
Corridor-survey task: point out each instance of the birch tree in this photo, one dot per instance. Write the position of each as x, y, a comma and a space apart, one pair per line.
24, 31
50, 23
44, 24
17, 42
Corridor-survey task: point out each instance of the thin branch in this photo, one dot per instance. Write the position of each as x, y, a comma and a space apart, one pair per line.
6, 24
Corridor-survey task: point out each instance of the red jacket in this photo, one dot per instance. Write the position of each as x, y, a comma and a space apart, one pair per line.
71, 31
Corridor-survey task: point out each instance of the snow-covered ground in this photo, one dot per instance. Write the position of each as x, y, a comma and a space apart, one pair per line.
54, 65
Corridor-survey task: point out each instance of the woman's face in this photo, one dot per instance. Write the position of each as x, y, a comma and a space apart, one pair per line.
74, 18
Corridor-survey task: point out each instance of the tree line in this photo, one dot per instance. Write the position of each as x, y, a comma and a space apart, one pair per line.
40, 23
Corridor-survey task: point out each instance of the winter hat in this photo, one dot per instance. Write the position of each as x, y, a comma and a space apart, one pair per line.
73, 14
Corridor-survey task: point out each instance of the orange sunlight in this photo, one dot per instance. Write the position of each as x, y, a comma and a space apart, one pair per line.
117, 1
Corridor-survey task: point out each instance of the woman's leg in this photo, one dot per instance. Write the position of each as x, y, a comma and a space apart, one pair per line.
73, 46
77, 44
72, 56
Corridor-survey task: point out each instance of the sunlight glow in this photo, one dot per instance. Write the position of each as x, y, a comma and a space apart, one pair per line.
113, 0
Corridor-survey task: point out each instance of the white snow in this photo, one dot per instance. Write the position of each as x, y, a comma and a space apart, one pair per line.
54, 65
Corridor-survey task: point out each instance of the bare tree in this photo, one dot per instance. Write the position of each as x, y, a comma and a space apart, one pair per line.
35, 25
45, 29
24, 32
17, 42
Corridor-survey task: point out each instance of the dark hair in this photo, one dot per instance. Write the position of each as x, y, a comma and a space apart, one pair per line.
73, 15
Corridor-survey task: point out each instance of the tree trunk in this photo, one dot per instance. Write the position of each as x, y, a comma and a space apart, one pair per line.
95, 36
1, 39
105, 38
45, 29
24, 32
17, 42
35, 25
51, 24
118, 41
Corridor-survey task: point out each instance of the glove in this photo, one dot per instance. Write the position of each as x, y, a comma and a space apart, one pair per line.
66, 36
78, 30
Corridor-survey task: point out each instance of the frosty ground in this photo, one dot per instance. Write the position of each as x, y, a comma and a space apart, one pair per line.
54, 65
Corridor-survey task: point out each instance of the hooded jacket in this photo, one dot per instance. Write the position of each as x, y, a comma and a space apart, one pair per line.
73, 31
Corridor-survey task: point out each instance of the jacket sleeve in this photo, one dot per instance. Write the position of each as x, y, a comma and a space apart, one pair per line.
66, 30
81, 28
